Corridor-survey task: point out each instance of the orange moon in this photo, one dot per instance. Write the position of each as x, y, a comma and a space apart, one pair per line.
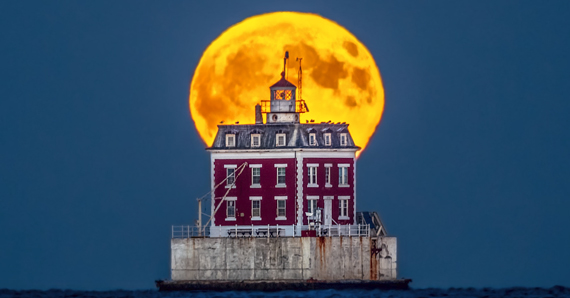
341, 82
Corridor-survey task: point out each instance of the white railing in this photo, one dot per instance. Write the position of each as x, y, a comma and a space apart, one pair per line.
342, 230
190, 231
270, 231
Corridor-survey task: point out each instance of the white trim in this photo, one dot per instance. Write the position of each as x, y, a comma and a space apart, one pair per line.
212, 185
343, 185
281, 218
344, 197
341, 165
255, 186
354, 190
314, 135
312, 197
255, 198
279, 198
343, 218
230, 166
313, 165
284, 153
255, 166
345, 135
256, 218
230, 219
231, 199
329, 143
328, 197
300, 202
280, 185
312, 185
280, 165
328, 165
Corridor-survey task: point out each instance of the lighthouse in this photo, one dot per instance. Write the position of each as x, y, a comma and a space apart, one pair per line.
283, 209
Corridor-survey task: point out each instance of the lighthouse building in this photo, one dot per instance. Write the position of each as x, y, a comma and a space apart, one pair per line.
283, 177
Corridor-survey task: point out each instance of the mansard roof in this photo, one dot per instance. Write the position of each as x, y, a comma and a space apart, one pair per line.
297, 136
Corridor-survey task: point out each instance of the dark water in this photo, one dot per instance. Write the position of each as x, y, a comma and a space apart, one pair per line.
556, 291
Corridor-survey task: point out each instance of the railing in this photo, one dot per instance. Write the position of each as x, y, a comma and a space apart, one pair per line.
270, 231
190, 231
300, 106
343, 230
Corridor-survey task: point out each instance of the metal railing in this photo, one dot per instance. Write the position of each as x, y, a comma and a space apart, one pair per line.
270, 231
343, 230
190, 231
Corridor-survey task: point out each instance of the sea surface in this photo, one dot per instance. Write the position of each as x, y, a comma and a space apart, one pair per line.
556, 291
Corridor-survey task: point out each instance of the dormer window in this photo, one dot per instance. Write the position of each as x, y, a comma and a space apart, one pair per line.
313, 139
327, 137
280, 139
343, 139
255, 140
230, 140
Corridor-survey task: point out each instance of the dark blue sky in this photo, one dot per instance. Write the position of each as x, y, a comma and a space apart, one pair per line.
99, 156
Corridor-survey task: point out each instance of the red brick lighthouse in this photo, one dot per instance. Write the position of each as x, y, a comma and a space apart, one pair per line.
283, 177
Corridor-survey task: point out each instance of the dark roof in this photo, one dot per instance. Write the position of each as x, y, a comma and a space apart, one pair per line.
297, 135
283, 82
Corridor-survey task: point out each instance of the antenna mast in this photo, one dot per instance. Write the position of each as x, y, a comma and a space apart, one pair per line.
285, 63
300, 78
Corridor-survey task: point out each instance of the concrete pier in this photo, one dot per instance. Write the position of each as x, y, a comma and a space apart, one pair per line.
288, 259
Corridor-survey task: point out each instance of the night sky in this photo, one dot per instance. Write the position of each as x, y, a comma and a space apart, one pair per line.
469, 167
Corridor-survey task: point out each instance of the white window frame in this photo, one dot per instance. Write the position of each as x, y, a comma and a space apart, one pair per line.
312, 175
343, 207
228, 168
253, 137
255, 199
327, 138
277, 144
313, 139
343, 139
343, 175
277, 167
253, 168
232, 137
312, 202
284, 200
232, 201
328, 172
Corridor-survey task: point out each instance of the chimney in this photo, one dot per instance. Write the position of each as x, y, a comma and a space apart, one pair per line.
258, 116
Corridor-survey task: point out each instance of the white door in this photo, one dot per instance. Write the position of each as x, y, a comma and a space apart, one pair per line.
328, 212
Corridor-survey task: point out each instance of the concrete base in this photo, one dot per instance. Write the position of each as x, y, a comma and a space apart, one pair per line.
297, 259
281, 285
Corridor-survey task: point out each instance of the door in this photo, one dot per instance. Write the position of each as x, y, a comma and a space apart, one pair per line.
328, 212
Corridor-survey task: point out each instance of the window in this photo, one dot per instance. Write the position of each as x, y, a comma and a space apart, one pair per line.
281, 205
280, 139
328, 175
343, 175
255, 176
283, 94
230, 175
230, 209
312, 175
230, 140
327, 137
281, 176
255, 140
343, 207
312, 139
255, 208
312, 205
343, 139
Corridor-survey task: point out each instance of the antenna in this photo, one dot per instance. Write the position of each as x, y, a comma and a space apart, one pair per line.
300, 78
285, 63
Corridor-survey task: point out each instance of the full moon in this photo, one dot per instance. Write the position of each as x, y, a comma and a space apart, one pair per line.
341, 82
